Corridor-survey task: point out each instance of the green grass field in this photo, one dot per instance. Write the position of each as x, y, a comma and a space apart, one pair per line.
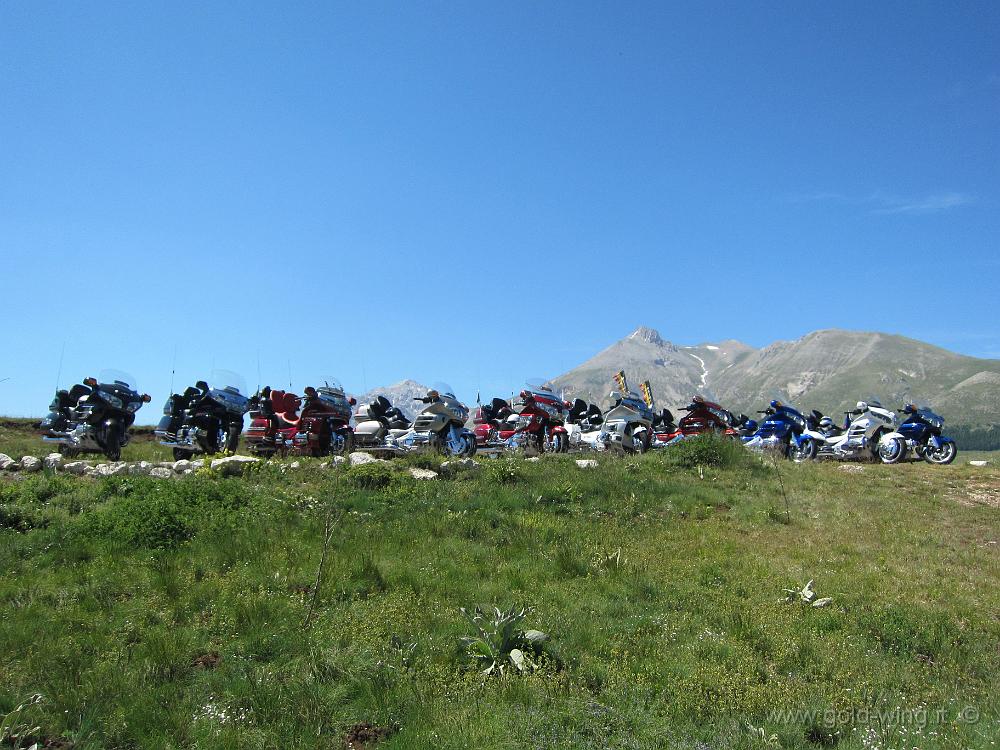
185, 613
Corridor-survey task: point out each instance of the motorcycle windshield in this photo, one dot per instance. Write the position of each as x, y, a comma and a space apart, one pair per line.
935, 419
118, 378
540, 385
329, 383
227, 380
443, 388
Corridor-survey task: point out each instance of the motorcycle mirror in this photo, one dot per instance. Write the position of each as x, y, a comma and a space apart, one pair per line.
352, 401
90, 381
310, 392
146, 398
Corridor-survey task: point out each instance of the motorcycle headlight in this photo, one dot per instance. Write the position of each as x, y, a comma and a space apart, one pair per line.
133, 406
111, 399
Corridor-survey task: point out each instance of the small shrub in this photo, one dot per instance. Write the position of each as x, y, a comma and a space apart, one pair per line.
373, 476
504, 471
19, 519
705, 450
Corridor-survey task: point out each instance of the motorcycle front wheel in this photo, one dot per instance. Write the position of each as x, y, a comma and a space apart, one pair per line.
892, 451
802, 452
559, 443
471, 446
342, 445
69, 451
941, 456
113, 443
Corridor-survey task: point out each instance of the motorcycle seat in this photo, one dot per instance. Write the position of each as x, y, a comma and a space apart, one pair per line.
286, 406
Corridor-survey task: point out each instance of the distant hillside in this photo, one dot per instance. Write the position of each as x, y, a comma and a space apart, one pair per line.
828, 370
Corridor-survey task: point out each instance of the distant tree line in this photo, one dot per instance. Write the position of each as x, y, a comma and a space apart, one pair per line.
975, 438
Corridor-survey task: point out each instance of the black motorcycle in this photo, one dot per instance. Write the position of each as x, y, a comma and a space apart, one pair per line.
94, 416
204, 419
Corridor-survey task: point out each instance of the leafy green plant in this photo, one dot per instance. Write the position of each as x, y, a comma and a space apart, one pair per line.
14, 730
609, 562
501, 644
806, 595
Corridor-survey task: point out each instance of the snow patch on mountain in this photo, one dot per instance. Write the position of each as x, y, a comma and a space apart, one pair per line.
704, 370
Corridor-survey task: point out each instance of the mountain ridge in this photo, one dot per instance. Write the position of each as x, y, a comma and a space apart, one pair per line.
828, 369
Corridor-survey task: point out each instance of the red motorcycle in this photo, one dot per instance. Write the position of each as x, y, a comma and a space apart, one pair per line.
274, 419
281, 422
702, 416
536, 421
324, 427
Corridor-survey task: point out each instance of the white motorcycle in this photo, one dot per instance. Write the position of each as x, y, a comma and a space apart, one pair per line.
584, 426
628, 425
859, 440
439, 426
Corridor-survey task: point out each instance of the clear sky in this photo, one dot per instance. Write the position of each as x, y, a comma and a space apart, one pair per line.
483, 192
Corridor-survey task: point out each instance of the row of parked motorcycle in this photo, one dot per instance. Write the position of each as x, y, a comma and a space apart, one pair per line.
96, 415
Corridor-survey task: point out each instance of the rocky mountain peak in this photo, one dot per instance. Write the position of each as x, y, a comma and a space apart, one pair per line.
649, 335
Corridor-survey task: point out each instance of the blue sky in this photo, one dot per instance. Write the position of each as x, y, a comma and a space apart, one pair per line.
480, 193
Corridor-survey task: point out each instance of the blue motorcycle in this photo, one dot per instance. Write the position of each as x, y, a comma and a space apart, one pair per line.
781, 429
919, 432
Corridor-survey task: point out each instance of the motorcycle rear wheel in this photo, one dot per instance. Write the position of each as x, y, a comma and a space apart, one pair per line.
182, 455
69, 451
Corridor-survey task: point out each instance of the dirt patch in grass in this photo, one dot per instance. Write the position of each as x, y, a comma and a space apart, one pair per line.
207, 660
977, 492
366, 735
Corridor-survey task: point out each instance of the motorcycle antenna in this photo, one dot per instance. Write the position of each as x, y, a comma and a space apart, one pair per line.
173, 368
289, 374
258, 371
59, 371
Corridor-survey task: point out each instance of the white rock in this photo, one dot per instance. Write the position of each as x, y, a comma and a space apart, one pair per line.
181, 466
143, 467
533, 459
6, 462
456, 465
197, 463
586, 463
110, 470
852, 469
30, 463
422, 473
294, 465
232, 465
89, 471
978, 463
164, 464
53, 461
159, 472
187, 471
358, 459
76, 467
338, 460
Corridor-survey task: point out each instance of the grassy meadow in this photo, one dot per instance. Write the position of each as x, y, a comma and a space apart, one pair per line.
208, 612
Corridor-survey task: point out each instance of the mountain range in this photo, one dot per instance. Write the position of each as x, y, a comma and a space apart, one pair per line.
829, 370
